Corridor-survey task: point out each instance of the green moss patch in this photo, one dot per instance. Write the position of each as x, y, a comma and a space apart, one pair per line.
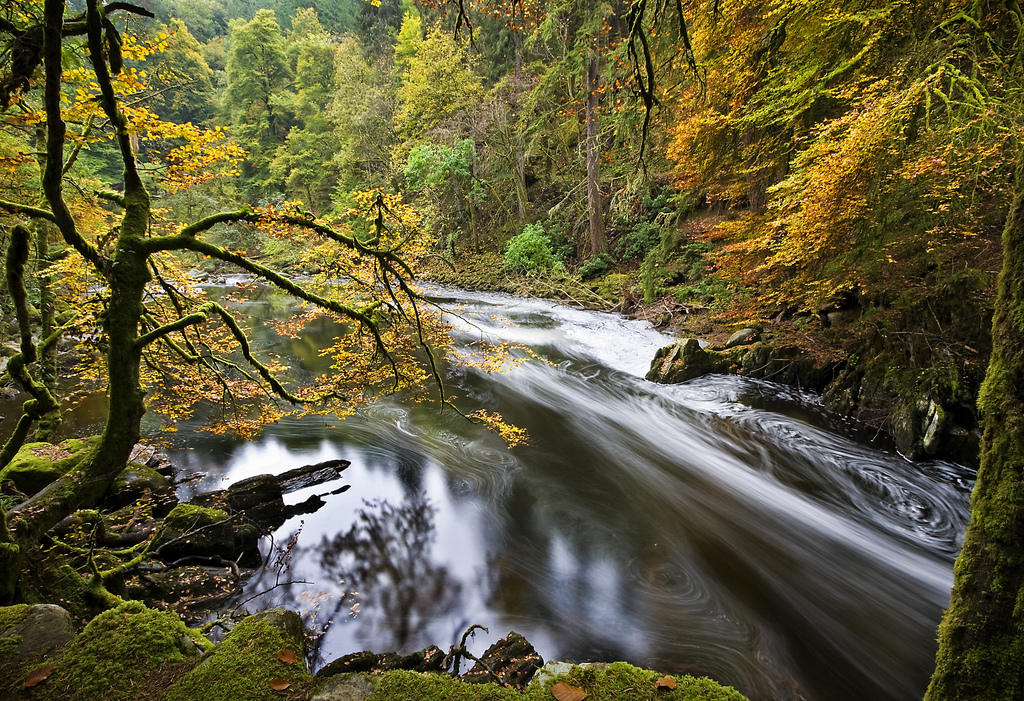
242, 666
116, 653
12, 615
619, 681
38, 464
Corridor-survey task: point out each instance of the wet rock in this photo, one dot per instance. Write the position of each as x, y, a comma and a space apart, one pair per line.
935, 421
290, 625
41, 630
683, 361
190, 590
260, 499
743, 337
430, 659
137, 482
357, 687
512, 659
200, 532
310, 475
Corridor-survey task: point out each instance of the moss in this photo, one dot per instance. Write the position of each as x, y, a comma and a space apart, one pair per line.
115, 654
242, 667
38, 464
13, 615
618, 682
8, 646
401, 685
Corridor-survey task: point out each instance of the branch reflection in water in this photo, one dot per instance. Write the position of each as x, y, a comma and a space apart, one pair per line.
385, 574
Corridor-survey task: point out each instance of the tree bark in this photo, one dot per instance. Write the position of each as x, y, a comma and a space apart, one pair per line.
594, 205
981, 637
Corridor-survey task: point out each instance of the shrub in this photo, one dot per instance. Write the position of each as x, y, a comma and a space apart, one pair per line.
598, 265
639, 241
530, 251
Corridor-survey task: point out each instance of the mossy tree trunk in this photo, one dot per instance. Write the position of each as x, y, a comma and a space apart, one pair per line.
126, 273
981, 638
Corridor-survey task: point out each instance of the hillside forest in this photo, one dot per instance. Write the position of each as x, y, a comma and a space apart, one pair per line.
836, 175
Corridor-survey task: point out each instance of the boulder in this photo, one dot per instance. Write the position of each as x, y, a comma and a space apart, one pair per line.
137, 482
38, 464
356, 687
248, 661
201, 532
33, 631
743, 337
684, 361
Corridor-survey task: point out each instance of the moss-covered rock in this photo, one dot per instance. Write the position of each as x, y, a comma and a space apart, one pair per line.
244, 664
191, 530
38, 464
11, 616
116, 654
685, 361
615, 682
33, 631
137, 482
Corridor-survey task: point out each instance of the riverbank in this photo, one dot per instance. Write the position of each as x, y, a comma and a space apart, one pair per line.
908, 363
137, 653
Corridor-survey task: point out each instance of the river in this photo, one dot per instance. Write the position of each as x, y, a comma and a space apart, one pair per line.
723, 527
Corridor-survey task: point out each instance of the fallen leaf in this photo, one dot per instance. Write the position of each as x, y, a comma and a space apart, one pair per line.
568, 692
39, 675
279, 684
287, 656
666, 683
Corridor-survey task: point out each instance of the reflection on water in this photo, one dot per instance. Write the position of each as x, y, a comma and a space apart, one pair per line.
724, 527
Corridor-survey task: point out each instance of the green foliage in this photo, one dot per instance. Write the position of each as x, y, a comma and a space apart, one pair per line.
668, 265
439, 83
530, 251
183, 76
638, 241
433, 166
598, 265
256, 96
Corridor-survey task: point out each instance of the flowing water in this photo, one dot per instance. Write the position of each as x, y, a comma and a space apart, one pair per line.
723, 527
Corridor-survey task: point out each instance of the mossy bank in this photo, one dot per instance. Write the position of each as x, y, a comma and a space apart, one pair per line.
134, 652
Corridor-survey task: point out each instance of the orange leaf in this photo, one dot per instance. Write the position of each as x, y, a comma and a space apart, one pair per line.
279, 684
287, 656
39, 675
666, 683
567, 692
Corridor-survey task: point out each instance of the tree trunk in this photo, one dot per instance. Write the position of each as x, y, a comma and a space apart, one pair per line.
981, 638
126, 273
48, 424
594, 207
